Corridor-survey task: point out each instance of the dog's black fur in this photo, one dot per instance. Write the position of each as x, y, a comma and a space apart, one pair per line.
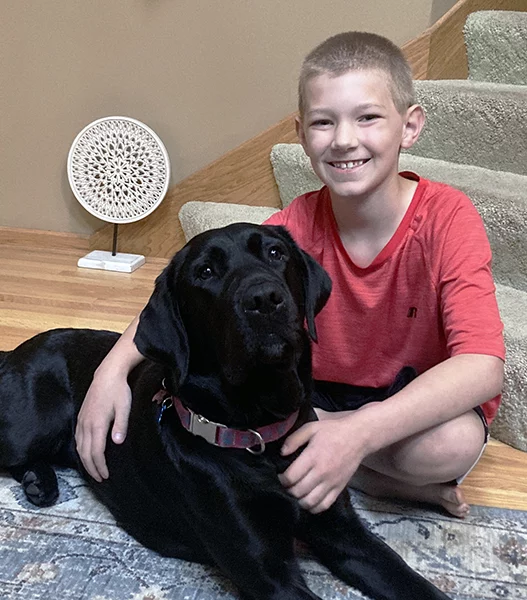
225, 329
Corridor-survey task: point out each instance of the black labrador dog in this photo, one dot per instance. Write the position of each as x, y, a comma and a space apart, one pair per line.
228, 367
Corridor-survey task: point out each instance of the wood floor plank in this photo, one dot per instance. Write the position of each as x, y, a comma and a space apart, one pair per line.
499, 479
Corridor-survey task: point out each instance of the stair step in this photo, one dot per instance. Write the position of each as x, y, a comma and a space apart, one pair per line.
475, 123
496, 42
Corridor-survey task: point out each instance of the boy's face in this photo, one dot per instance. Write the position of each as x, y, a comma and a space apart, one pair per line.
352, 132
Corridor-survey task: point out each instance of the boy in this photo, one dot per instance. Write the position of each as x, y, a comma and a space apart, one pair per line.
411, 329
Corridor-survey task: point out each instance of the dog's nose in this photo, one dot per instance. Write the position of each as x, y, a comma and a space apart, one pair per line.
264, 298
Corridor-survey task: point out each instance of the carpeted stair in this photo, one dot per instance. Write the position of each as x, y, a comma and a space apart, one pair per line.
474, 123
496, 43
475, 139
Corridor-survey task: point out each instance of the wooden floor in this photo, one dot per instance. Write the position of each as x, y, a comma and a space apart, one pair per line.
41, 288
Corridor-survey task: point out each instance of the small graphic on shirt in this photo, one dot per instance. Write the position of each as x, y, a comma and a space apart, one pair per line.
412, 312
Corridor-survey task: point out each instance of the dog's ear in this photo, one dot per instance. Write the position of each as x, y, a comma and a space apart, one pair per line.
317, 283
317, 288
161, 334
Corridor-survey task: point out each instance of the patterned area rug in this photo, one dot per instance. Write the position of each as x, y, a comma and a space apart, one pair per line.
74, 551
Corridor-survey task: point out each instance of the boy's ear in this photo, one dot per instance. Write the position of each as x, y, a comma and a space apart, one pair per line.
300, 131
414, 123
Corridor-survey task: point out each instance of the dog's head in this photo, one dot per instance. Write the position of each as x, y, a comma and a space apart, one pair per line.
231, 300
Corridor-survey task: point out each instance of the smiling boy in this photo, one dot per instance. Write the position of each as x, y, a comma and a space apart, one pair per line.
412, 293
410, 353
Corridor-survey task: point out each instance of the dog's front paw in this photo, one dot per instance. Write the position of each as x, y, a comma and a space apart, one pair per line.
41, 486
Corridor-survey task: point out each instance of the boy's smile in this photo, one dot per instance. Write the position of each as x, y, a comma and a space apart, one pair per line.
352, 132
349, 164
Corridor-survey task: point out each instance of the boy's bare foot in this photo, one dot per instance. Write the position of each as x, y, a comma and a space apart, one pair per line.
452, 499
447, 495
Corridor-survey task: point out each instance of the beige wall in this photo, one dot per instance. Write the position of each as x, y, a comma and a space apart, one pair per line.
205, 75
439, 8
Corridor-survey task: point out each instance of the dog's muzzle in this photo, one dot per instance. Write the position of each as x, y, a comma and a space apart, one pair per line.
263, 298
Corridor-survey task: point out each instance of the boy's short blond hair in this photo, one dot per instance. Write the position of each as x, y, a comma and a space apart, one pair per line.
358, 51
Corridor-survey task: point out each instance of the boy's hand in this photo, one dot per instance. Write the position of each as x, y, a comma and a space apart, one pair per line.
102, 405
333, 453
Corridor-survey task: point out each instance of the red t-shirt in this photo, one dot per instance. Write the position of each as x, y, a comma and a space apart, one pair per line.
428, 295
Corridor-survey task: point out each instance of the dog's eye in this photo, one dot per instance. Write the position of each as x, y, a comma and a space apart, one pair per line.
275, 253
205, 272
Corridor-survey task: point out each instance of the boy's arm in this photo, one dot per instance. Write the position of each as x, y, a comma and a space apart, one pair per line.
336, 447
440, 394
108, 399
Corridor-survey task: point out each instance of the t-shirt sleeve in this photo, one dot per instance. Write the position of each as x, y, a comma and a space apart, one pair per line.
297, 219
279, 218
469, 309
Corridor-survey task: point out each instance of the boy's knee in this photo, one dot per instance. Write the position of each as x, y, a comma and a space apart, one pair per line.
461, 439
437, 455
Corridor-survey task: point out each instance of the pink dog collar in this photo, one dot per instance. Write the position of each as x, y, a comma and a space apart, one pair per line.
221, 435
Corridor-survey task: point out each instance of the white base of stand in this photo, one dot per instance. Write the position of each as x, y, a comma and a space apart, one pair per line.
124, 263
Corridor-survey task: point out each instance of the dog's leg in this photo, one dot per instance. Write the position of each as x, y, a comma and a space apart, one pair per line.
248, 533
261, 564
360, 558
39, 483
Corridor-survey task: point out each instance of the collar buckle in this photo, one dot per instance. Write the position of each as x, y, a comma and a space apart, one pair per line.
206, 429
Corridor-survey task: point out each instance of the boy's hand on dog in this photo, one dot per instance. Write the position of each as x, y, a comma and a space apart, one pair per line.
334, 451
107, 400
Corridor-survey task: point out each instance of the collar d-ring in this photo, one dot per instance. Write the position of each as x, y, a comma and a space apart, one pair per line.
259, 449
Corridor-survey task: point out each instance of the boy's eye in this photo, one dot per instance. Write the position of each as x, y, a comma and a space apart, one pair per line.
370, 117
321, 123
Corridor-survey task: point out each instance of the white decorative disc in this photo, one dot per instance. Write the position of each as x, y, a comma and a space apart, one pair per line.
118, 169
